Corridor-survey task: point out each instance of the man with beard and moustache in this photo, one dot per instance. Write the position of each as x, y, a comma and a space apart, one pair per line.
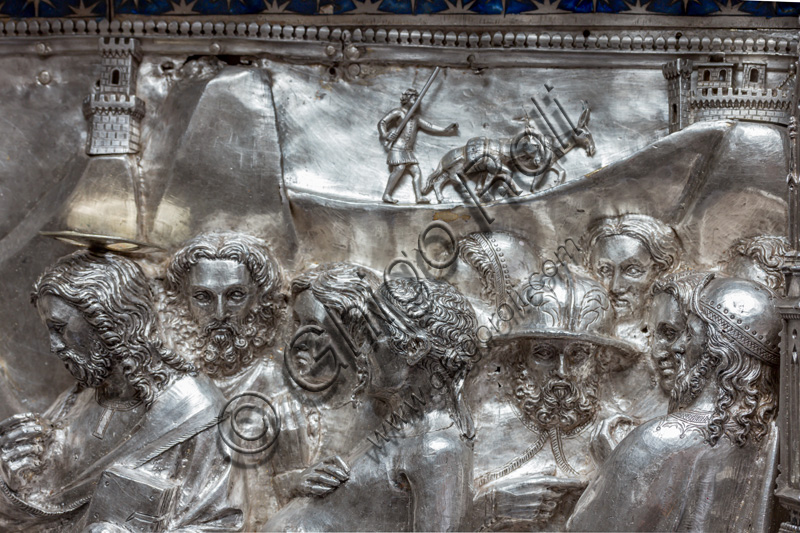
675, 329
710, 463
553, 360
223, 305
137, 422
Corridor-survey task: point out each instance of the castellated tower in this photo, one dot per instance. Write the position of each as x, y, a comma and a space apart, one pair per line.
114, 111
679, 79
716, 90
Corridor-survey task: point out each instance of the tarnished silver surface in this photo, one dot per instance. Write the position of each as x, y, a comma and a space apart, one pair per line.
271, 330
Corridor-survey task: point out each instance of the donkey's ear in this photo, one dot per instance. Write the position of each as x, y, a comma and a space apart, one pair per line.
584, 118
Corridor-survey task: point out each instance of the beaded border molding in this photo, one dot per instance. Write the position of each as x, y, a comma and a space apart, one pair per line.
647, 40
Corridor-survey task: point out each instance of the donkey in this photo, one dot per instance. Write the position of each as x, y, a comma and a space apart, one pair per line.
580, 137
482, 157
530, 152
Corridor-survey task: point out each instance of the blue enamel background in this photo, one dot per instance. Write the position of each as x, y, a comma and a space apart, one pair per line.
100, 9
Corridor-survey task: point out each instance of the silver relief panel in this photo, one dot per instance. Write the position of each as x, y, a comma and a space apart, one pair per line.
365, 277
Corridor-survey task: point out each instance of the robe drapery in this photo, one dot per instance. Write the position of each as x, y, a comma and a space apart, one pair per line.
664, 476
175, 441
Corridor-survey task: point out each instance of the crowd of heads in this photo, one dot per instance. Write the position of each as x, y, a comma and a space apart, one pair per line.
223, 304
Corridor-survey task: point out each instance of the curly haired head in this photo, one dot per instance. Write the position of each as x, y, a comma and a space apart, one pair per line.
743, 327
345, 289
113, 295
747, 399
765, 253
431, 309
660, 240
257, 329
443, 317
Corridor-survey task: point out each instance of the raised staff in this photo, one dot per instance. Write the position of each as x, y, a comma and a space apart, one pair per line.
399, 141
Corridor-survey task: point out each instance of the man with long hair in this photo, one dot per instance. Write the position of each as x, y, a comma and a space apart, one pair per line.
416, 458
137, 418
223, 301
223, 305
710, 463
626, 253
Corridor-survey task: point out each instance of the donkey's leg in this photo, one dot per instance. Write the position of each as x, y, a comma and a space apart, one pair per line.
443, 179
506, 175
432, 179
558, 169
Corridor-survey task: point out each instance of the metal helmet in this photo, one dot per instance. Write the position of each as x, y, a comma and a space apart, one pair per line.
746, 313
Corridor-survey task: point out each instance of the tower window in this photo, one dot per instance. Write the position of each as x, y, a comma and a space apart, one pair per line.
674, 113
722, 75
707, 75
115, 77
754, 75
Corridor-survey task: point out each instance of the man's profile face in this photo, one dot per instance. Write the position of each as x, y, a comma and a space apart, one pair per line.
74, 341
219, 290
387, 369
625, 268
315, 363
668, 325
409, 100
690, 376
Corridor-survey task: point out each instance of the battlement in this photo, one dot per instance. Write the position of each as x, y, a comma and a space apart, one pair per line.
121, 47
718, 90
758, 105
114, 103
676, 68
741, 92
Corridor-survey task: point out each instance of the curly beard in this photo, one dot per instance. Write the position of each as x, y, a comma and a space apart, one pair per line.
559, 403
221, 348
689, 383
91, 371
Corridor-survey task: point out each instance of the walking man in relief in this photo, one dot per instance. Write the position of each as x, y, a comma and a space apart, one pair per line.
398, 133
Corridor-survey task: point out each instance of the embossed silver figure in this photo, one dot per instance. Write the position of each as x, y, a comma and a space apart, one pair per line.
554, 361
411, 371
672, 334
134, 443
223, 306
626, 254
760, 259
399, 141
711, 461
223, 301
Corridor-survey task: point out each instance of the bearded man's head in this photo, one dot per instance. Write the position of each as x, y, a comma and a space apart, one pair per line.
223, 300
555, 385
99, 311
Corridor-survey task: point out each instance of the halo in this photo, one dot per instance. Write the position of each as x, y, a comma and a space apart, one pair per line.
102, 242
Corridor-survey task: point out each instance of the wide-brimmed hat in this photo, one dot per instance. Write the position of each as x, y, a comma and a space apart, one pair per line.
564, 307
